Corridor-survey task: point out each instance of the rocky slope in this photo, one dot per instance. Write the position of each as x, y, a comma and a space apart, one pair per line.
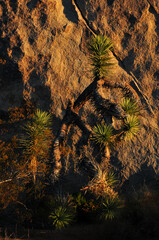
43, 57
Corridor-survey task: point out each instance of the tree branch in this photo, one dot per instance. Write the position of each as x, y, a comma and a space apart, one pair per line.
71, 115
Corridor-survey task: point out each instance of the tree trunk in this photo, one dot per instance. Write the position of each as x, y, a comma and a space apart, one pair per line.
71, 115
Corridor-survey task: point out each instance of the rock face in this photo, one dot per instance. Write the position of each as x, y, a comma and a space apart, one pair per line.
43, 56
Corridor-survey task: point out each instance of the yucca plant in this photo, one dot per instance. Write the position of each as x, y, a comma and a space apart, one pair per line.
42, 119
109, 208
61, 217
130, 106
79, 199
37, 140
99, 48
64, 211
131, 126
102, 135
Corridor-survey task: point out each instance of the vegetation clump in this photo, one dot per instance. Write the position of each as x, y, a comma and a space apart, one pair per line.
130, 106
132, 127
109, 208
99, 47
36, 142
63, 212
34, 170
61, 217
102, 135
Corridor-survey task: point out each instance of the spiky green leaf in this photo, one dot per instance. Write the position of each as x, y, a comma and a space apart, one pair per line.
61, 217
130, 106
132, 127
110, 208
99, 48
102, 135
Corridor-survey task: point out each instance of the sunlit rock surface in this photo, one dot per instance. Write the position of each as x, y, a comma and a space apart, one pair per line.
44, 57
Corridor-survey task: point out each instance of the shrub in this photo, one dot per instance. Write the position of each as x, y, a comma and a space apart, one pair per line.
36, 142
99, 47
79, 200
130, 106
64, 211
61, 217
102, 135
109, 208
132, 127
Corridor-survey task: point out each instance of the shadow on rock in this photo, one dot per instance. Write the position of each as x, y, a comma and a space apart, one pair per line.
70, 11
146, 176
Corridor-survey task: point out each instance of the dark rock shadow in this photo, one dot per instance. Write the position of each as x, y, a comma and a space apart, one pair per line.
131, 18
110, 2
155, 94
32, 4
70, 11
125, 40
132, 21
32, 37
41, 94
153, 11
129, 60
5, 12
156, 75
157, 48
11, 82
146, 176
17, 54
14, 5
43, 19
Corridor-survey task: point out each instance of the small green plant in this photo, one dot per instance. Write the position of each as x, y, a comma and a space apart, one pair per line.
102, 135
36, 142
109, 208
79, 200
42, 120
61, 217
132, 127
130, 106
64, 211
99, 48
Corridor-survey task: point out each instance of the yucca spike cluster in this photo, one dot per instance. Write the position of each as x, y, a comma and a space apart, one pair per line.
61, 217
130, 106
132, 122
37, 139
99, 48
102, 135
43, 119
40, 123
132, 127
110, 208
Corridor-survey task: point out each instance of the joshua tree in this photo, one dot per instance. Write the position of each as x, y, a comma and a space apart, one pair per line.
104, 134
99, 47
36, 142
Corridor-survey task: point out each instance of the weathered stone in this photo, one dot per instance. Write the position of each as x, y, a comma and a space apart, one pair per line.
44, 57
